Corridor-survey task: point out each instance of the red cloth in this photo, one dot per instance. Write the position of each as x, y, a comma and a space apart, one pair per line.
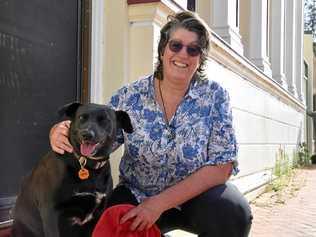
109, 224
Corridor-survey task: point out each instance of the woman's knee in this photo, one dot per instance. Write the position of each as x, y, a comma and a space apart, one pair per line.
221, 209
234, 202
121, 195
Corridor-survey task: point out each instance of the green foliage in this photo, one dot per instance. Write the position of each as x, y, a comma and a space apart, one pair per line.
310, 17
302, 156
282, 163
284, 168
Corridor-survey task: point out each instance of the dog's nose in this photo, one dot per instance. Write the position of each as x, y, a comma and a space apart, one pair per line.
88, 135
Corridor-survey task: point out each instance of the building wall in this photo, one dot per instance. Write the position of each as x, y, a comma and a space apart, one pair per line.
264, 124
308, 89
267, 117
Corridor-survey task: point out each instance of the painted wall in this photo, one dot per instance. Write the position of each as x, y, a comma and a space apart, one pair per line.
263, 125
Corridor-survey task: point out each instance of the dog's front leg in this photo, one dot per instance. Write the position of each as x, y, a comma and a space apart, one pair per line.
50, 222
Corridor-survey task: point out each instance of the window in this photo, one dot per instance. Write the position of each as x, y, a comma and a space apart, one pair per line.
191, 5
237, 13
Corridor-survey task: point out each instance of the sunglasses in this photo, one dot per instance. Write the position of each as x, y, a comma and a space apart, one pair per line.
192, 50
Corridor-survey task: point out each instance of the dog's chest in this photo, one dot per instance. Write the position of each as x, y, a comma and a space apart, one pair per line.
80, 201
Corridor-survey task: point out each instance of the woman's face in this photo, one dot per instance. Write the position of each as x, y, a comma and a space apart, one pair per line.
177, 63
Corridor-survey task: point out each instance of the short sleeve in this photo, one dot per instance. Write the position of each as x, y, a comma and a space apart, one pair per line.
222, 147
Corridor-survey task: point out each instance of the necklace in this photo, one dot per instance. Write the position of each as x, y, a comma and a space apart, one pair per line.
171, 132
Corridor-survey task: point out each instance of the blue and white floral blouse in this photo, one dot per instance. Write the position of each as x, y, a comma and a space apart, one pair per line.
153, 160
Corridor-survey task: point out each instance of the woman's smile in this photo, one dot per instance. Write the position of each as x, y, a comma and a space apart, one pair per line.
179, 64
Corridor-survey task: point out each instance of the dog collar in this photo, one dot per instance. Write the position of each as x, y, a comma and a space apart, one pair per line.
88, 162
94, 164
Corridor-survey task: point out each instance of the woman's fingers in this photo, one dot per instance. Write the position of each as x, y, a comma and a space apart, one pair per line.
64, 145
58, 137
136, 222
67, 123
143, 226
135, 215
128, 215
58, 150
141, 218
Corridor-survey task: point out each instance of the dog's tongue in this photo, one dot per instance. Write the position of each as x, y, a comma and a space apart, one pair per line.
86, 149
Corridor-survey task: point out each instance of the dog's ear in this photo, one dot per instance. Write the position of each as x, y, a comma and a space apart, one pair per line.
69, 110
124, 121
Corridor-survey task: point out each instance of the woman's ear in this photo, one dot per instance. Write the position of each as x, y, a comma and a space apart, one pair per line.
161, 56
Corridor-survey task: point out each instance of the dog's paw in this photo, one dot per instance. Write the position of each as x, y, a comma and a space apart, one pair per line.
79, 221
97, 200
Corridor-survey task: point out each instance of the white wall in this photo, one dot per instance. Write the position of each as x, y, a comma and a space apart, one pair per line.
263, 125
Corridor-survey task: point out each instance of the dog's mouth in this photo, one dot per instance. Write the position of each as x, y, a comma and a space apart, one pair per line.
89, 148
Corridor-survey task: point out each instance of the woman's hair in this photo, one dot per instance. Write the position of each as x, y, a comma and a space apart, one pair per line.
191, 22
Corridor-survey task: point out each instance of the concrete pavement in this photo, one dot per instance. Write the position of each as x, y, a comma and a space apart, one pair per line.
290, 212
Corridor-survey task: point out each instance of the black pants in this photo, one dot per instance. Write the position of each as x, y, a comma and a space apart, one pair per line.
222, 211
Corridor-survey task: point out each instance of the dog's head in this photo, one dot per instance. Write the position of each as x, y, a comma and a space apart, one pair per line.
93, 128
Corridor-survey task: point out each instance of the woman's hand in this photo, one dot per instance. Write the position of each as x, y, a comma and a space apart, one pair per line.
144, 215
58, 137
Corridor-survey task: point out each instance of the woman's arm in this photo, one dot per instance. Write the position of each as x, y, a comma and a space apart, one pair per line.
148, 212
197, 183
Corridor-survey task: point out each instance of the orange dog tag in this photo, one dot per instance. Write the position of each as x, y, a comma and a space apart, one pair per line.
83, 173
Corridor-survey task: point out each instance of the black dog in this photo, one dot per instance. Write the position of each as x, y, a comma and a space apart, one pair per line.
65, 194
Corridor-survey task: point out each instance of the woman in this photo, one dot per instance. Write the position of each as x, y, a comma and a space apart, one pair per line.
183, 149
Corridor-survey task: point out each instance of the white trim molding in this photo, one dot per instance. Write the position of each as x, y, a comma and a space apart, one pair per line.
277, 42
224, 22
97, 51
258, 40
299, 49
289, 52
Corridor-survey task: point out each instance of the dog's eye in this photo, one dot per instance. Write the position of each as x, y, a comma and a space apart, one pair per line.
83, 117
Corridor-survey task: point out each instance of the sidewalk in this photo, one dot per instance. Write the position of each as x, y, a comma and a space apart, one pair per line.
290, 213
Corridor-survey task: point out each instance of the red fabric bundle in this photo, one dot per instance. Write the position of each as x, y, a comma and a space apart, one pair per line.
109, 224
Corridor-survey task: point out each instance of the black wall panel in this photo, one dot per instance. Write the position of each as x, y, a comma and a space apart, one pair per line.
39, 60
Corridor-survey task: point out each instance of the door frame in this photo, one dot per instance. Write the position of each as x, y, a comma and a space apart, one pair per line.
84, 50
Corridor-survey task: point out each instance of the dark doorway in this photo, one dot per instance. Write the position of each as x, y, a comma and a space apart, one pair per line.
40, 70
191, 5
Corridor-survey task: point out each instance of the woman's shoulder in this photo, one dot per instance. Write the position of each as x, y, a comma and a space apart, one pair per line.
139, 86
209, 88
135, 86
